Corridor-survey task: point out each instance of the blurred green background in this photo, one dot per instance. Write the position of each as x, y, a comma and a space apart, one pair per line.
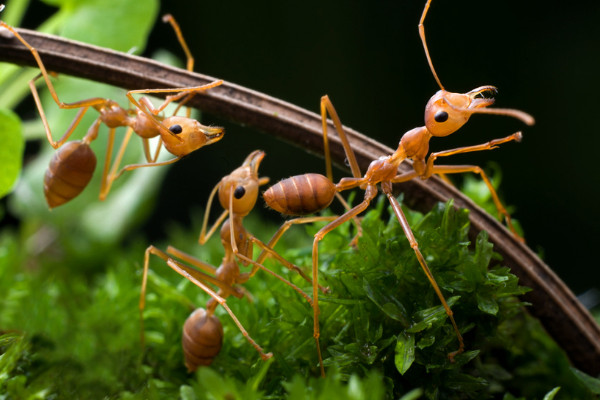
542, 56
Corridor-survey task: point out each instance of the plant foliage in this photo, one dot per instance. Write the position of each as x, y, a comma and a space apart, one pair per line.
70, 331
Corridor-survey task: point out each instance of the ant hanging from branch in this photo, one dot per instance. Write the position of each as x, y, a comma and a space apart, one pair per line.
445, 113
73, 165
202, 332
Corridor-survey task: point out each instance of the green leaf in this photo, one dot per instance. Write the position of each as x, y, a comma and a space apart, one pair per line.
551, 394
387, 303
487, 303
430, 316
11, 151
405, 352
129, 23
593, 384
413, 394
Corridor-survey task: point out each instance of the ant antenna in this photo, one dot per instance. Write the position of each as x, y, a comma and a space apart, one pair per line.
422, 34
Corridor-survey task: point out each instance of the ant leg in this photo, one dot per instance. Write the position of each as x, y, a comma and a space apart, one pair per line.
386, 187
189, 272
159, 147
246, 253
223, 303
105, 184
284, 228
408, 232
146, 147
491, 145
188, 54
327, 106
185, 257
142, 304
70, 130
290, 266
460, 169
370, 193
108, 179
78, 104
181, 92
457, 169
256, 265
203, 235
131, 167
355, 220
189, 58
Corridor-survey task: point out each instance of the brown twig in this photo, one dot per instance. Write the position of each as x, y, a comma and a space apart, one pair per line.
554, 304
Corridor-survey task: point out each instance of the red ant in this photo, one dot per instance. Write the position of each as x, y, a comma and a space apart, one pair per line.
445, 113
73, 165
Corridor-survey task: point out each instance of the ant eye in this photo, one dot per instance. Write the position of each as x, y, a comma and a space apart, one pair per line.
239, 192
176, 129
441, 116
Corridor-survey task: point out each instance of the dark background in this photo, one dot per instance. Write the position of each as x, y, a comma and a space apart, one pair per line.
367, 56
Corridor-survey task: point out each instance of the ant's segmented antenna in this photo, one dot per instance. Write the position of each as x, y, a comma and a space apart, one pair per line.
422, 34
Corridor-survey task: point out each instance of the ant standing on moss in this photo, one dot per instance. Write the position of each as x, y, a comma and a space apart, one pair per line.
445, 113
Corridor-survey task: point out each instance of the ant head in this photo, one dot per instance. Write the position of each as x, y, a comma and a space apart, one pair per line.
241, 186
446, 112
185, 135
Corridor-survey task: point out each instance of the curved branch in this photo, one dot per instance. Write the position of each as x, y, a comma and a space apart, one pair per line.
554, 304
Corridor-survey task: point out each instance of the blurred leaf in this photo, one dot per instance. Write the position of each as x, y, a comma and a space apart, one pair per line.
551, 394
413, 394
13, 14
11, 151
129, 22
593, 384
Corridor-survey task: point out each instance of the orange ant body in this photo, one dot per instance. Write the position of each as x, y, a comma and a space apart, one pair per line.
237, 194
445, 113
73, 165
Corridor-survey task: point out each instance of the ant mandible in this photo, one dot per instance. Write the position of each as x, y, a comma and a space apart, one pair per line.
73, 165
445, 113
237, 194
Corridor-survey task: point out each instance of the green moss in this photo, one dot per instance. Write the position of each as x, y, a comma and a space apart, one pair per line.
383, 331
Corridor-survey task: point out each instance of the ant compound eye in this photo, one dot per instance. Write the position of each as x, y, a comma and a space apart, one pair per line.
176, 129
441, 116
239, 192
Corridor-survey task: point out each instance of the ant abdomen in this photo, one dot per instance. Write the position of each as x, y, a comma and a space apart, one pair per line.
300, 194
202, 339
69, 172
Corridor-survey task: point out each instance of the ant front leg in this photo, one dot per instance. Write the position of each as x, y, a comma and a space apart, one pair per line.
460, 169
181, 92
131, 167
